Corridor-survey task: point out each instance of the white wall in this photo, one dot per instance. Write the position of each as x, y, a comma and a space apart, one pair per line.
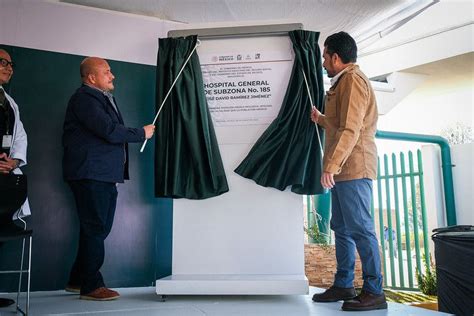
79, 30
433, 183
434, 193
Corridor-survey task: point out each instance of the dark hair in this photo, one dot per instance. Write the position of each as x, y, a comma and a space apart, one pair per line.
343, 45
3, 47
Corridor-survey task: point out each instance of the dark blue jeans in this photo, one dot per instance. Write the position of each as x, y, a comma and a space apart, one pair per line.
353, 226
95, 203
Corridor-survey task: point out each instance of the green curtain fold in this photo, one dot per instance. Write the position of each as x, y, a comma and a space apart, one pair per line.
288, 152
188, 163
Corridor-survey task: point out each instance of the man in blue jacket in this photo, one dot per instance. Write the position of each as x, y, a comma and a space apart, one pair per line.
95, 159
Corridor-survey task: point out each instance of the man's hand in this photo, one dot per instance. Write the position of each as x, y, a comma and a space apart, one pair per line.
315, 114
7, 164
327, 180
149, 130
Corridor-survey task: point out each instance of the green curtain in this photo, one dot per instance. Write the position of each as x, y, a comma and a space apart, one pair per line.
288, 152
187, 159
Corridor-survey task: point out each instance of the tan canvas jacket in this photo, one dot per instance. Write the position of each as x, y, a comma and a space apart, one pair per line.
350, 121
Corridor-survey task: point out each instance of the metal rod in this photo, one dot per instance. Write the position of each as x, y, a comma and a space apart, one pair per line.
238, 31
415, 213
315, 124
407, 222
382, 239
397, 221
389, 222
21, 266
308, 217
13, 271
29, 278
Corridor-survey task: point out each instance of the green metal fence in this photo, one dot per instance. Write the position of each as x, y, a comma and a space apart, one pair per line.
401, 218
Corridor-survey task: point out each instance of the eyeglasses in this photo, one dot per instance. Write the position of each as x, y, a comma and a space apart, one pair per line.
5, 63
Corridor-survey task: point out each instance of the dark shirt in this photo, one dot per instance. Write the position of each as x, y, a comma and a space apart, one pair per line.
7, 122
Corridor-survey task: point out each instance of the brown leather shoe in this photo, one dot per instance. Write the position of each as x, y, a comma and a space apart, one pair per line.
101, 294
365, 301
334, 294
73, 289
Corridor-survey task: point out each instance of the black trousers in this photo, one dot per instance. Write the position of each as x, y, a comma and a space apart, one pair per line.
95, 203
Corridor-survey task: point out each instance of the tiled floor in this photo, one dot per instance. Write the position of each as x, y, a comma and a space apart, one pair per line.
144, 302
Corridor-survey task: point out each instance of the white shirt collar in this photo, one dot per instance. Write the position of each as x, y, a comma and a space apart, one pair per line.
104, 92
336, 77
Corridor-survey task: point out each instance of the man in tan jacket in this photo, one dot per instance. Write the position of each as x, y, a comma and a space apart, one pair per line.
349, 166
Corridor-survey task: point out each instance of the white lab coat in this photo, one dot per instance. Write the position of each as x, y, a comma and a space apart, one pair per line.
18, 151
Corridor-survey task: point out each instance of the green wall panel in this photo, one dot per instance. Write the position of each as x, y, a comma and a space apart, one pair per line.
138, 250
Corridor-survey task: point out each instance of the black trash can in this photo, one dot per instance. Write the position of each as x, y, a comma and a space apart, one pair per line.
454, 253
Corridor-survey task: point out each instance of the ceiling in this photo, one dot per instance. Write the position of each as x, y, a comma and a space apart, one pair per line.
361, 18
461, 65
448, 73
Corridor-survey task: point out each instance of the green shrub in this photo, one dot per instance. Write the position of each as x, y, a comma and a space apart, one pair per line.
315, 235
427, 281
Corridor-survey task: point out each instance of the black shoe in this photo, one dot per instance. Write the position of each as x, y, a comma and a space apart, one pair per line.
4, 302
365, 301
334, 294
